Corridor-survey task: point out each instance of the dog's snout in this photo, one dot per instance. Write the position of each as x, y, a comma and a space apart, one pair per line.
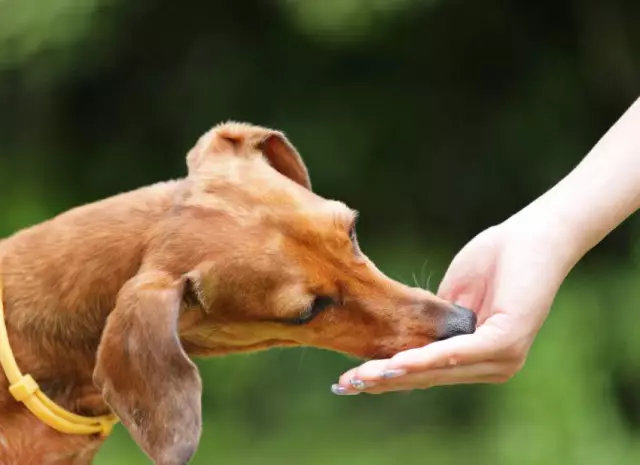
458, 321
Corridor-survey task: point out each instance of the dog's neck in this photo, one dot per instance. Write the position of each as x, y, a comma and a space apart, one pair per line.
54, 335
24, 438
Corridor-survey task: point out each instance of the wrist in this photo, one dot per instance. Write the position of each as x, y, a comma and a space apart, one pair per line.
593, 199
546, 230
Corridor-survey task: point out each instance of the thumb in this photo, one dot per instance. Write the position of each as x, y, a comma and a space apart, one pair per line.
466, 291
466, 279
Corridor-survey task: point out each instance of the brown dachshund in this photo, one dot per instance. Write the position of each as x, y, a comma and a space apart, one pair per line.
105, 303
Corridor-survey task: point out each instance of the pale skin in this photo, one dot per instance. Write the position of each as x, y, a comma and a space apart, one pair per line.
510, 273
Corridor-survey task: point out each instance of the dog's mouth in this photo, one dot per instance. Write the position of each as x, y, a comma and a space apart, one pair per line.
208, 348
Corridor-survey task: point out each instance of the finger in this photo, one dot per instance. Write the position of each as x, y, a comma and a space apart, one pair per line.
469, 295
398, 387
460, 350
436, 377
360, 376
464, 284
489, 372
453, 375
458, 279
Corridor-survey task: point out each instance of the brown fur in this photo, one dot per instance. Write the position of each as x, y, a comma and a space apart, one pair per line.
106, 302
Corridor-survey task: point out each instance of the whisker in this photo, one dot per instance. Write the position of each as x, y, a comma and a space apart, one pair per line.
422, 270
429, 281
303, 351
415, 280
397, 277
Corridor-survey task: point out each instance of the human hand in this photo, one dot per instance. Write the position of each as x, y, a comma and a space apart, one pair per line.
509, 274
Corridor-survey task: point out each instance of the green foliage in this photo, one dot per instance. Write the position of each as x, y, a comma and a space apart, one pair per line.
346, 22
31, 27
434, 119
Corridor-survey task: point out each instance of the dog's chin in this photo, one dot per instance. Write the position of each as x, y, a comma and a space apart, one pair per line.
386, 352
211, 349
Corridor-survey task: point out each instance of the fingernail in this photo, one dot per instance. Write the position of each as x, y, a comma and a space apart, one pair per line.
342, 391
359, 384
393, 373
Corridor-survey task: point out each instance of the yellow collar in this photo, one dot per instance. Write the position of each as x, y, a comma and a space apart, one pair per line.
25, 389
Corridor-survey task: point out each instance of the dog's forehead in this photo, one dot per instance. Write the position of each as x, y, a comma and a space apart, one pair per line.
248, 172
333, 209
240, 186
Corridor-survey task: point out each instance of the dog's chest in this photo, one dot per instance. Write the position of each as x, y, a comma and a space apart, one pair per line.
24, 440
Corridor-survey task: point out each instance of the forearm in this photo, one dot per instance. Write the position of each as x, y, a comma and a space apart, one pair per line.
598, 195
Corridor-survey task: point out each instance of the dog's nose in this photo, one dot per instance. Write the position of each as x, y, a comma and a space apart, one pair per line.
458, 321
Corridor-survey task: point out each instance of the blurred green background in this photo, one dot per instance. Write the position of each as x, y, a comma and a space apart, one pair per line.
434, 118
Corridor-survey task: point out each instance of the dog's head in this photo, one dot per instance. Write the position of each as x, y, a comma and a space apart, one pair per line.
249, 258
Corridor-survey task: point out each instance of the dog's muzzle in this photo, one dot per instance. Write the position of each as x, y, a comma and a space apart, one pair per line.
458, 321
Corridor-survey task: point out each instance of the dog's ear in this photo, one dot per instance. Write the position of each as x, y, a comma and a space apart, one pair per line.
246, 140
143, 372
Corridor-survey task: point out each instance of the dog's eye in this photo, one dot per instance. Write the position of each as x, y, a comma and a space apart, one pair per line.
319, 304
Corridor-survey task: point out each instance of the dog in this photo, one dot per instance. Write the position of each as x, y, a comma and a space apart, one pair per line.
106, 304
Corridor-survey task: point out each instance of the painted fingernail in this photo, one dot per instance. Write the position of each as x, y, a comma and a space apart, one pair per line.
359, 384
393, 374
342, 391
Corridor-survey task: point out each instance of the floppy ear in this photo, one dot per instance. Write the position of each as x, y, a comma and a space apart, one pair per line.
144, 374
244, 140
